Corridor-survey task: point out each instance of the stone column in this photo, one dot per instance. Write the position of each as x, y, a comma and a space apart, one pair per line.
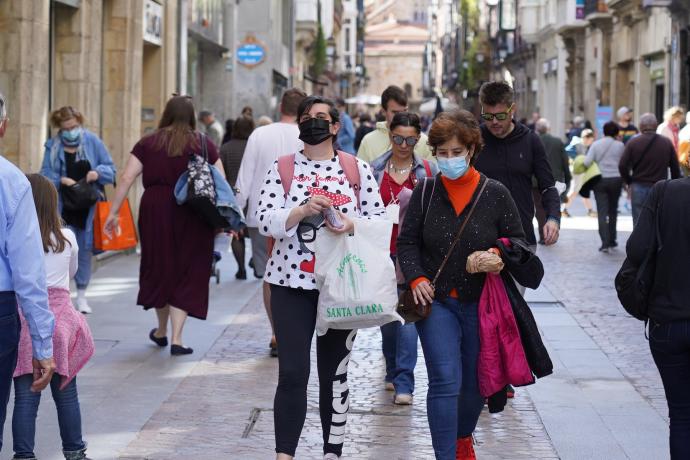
122, 60
24, 80
77, 60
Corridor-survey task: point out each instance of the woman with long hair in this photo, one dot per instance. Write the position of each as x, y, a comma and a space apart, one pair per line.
72, 341
73, 155
176, 244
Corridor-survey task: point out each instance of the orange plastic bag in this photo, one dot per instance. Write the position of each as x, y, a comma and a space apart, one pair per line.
124, 238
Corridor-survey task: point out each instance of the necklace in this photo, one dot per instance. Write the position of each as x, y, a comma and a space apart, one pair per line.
397, 170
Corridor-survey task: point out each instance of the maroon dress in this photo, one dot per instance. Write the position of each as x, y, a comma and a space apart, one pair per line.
176, 245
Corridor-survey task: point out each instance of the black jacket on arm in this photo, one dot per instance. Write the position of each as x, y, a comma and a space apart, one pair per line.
669, 299
513, 161
422, 245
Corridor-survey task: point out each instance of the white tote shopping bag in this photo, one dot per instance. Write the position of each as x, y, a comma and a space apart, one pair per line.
356, 278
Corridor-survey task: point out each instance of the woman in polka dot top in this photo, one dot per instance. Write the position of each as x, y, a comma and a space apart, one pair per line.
319, 182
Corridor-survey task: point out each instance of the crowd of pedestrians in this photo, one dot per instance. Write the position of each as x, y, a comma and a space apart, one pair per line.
462, 192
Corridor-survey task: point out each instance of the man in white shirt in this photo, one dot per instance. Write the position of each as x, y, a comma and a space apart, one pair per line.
264, 146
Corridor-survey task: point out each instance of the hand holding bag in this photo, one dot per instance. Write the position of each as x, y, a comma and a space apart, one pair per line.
124, 237
79, 196
355, 277
407, 307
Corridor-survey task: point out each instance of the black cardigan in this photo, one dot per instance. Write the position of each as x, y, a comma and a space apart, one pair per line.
422, 246
669, 298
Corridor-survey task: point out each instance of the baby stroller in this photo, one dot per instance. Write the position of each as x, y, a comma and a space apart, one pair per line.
221, 244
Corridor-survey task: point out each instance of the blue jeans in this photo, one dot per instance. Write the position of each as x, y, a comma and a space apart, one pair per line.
24, 417
670, 346
639, 192
9, 344
450, 340
399, 344
83, 275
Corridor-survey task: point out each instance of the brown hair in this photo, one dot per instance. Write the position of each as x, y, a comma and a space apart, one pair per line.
393, 93
496, 92
459, 124
46, 202
242, 128
61, 115
177, 126
291, 100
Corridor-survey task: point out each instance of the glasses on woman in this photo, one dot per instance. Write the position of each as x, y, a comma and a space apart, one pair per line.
500, 116
411, 141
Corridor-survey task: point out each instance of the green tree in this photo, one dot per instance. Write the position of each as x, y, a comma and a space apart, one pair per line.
319, 53
320, 58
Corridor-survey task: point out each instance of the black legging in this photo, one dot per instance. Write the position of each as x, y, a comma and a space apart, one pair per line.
294, 319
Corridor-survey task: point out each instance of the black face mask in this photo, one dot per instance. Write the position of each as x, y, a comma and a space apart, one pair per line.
314, 131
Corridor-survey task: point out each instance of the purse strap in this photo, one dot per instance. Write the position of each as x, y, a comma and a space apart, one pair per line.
459, 234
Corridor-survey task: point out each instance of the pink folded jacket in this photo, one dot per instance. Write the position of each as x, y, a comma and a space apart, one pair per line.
72, 341
502, 359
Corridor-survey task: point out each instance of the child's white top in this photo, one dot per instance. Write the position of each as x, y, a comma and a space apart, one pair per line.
61, 266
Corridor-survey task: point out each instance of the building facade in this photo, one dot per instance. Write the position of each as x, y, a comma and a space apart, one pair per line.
113, 60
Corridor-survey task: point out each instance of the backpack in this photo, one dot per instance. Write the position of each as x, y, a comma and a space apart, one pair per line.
634, 284
286, 171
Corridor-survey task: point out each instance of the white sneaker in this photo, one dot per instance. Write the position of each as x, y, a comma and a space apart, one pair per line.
389, 386
403, 399
330, 456
83, 306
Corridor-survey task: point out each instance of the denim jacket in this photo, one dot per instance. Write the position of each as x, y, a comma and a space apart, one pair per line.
378, 166
92, 149
226, 204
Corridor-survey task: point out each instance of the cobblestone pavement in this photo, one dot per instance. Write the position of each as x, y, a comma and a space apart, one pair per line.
583, 281
223, 410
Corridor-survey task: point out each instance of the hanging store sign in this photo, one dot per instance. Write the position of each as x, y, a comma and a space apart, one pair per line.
251, 52
153, 22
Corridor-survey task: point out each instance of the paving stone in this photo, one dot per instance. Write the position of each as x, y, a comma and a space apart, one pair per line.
208, 414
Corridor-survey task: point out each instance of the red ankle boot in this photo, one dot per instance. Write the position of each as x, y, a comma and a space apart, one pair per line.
464, 449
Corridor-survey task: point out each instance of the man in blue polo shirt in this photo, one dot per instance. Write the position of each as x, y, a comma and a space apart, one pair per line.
22, 279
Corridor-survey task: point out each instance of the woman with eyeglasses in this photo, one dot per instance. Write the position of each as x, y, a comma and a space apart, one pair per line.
76, 155
397, 173
293, 214
450, 334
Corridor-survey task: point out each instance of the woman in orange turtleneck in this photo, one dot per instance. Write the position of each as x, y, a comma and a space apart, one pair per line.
450, 335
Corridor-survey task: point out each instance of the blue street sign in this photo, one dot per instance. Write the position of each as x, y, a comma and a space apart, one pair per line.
251, 54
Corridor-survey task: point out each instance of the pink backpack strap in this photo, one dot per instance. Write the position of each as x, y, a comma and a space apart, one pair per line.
286, 170
351, 169
427, 168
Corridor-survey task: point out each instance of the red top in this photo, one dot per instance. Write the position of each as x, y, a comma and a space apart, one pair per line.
390, 189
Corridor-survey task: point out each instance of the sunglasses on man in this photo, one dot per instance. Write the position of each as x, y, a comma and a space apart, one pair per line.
411, 141
500, 116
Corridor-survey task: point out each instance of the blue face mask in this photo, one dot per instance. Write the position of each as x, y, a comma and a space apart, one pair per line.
72, 136
454, 167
